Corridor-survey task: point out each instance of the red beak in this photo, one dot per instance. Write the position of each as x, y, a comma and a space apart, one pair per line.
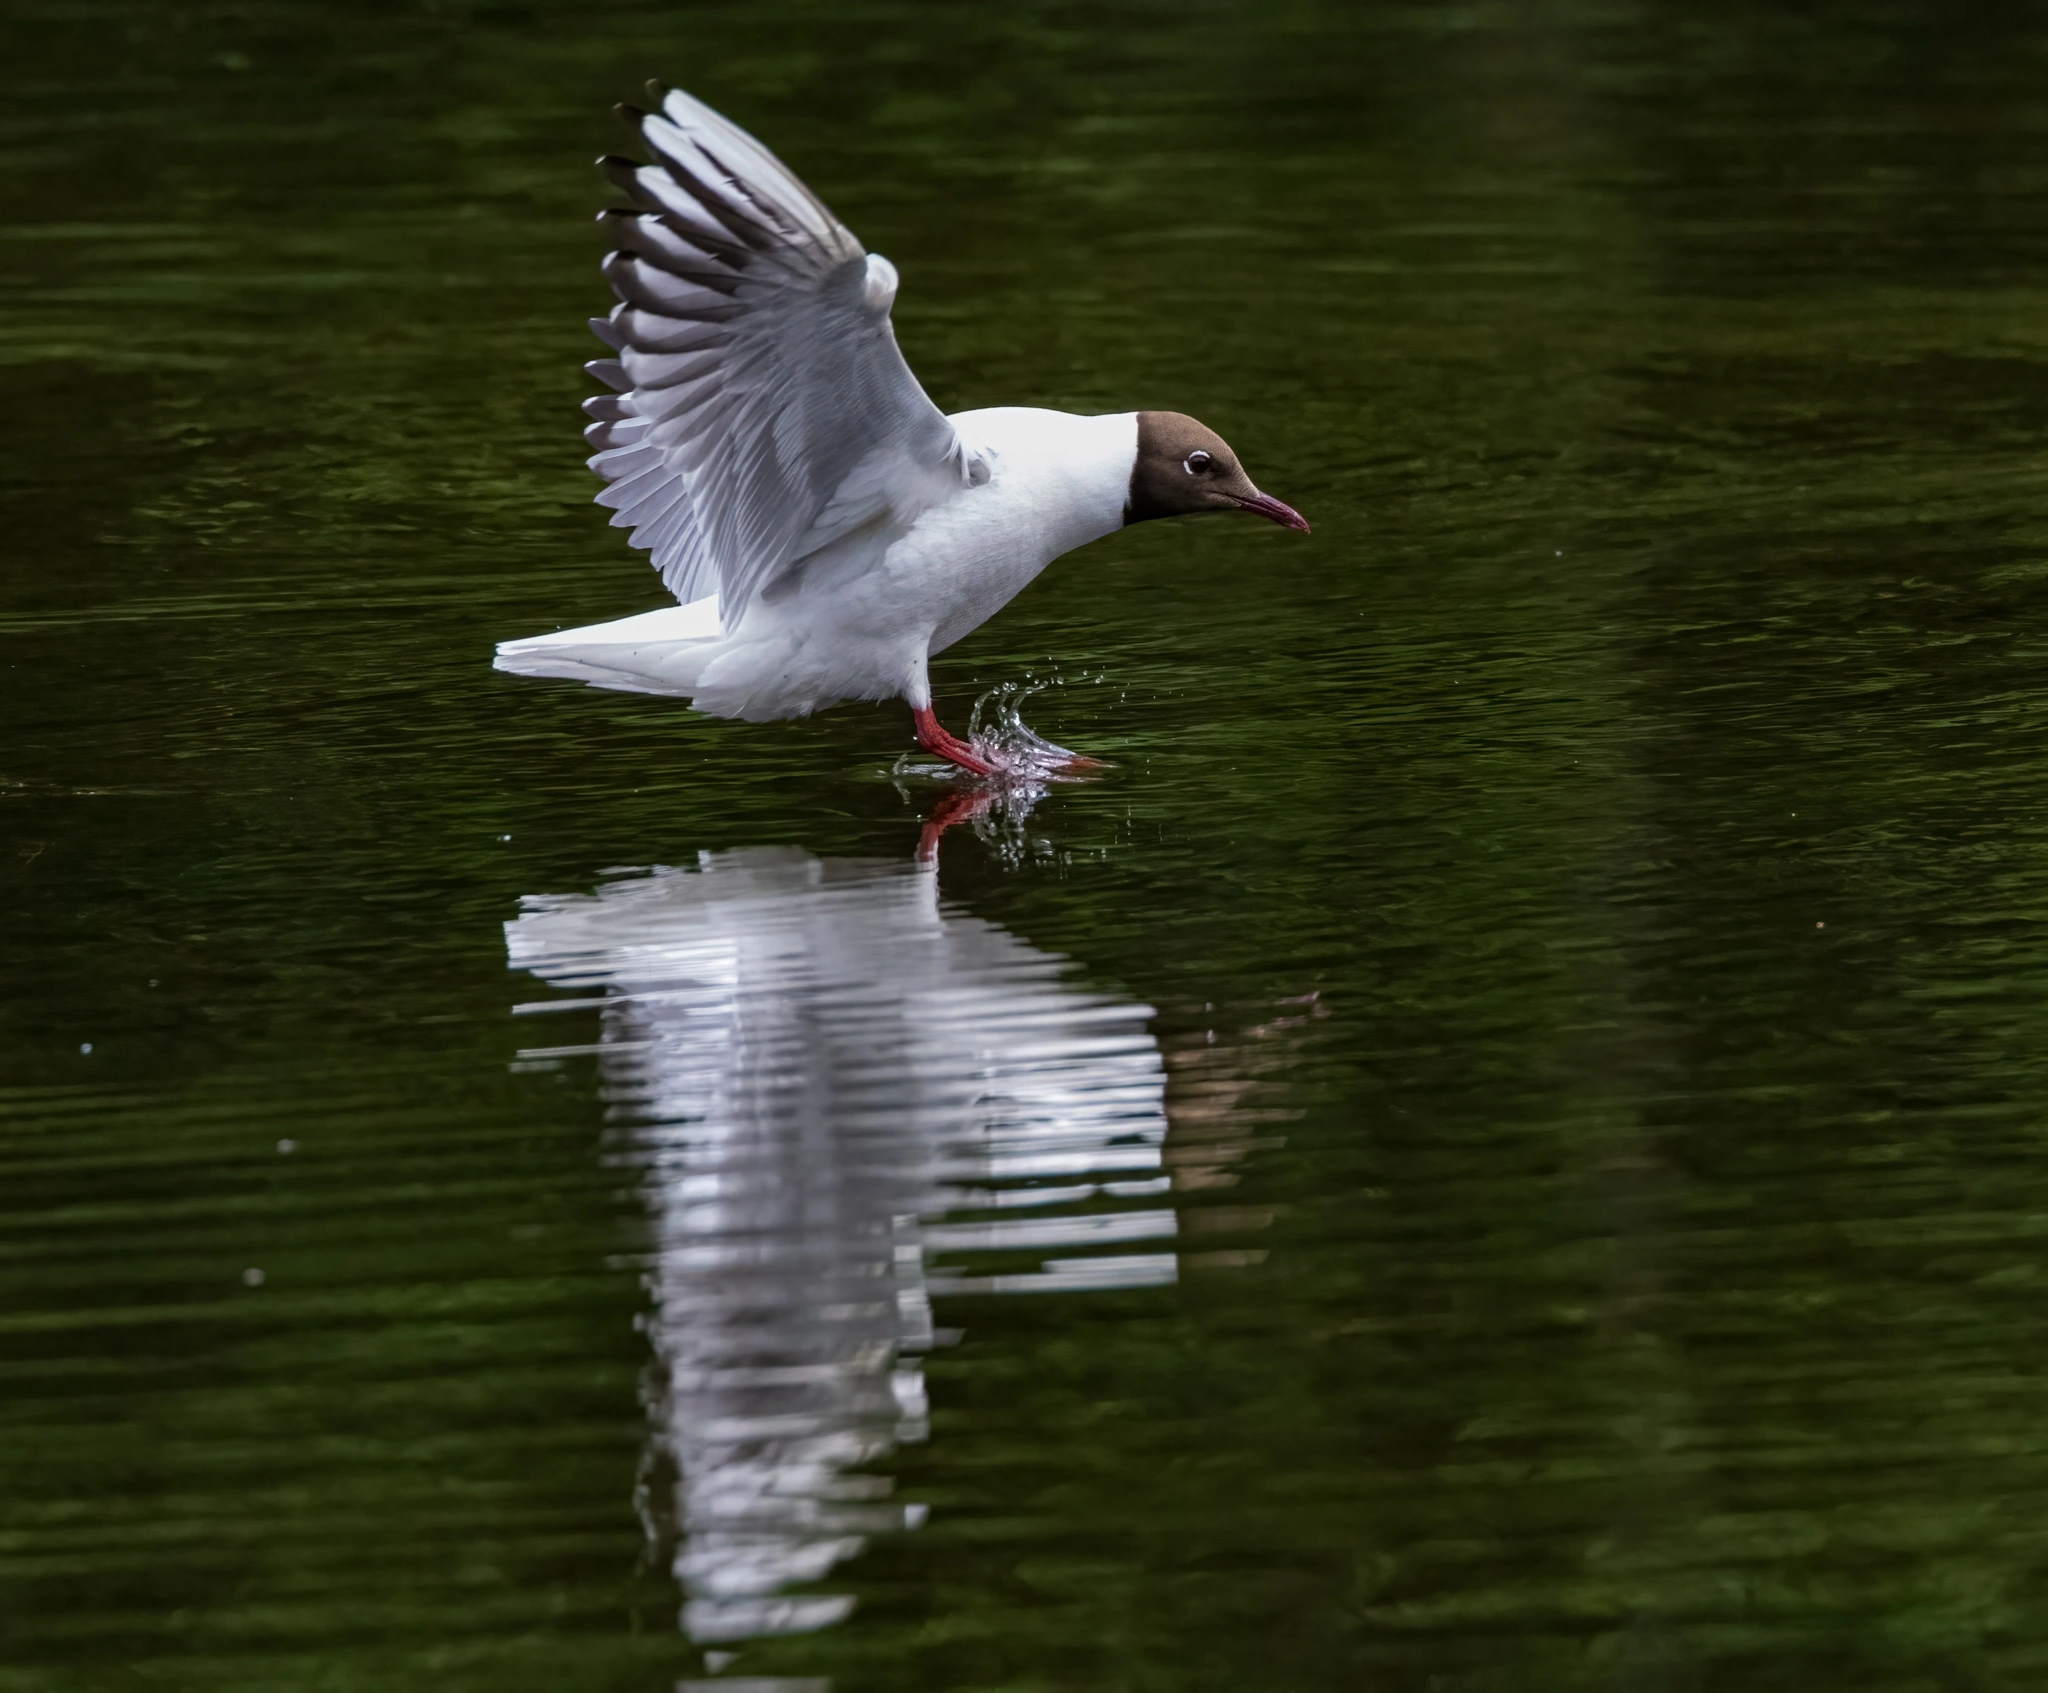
1278, 510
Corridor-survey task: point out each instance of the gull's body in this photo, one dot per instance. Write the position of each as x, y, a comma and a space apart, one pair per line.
863, 629
825, 529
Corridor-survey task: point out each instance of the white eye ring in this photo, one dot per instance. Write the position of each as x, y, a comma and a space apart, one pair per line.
1196, 462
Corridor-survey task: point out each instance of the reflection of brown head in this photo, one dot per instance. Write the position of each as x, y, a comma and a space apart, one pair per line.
1220, 1096
1185, 466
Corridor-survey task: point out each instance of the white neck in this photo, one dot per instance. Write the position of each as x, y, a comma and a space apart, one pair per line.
1077, 469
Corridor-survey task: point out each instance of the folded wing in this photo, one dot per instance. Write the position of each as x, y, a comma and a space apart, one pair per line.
762, 410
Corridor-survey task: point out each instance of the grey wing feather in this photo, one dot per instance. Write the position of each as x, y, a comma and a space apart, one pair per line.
761, 409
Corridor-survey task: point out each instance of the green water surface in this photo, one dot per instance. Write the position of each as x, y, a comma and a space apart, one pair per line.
1593, 891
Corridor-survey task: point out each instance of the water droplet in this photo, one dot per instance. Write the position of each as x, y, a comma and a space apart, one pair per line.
252, 1278
287, 1145
85, 1046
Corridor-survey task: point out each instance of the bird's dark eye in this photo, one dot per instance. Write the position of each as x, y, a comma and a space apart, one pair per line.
1196, 462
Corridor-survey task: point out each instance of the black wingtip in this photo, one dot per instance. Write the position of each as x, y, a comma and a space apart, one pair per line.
624, 175
656, 92
632, 116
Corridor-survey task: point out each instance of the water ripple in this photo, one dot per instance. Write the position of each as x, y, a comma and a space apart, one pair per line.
845, 1097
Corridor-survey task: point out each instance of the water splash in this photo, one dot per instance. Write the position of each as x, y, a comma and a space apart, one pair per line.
997, 731
1023, 759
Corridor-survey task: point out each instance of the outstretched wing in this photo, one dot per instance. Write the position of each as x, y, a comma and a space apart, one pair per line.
762, 410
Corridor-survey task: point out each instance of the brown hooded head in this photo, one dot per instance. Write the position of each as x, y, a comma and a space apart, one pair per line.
1185, 466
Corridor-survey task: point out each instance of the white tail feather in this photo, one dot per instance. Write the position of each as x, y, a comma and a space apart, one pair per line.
657, 652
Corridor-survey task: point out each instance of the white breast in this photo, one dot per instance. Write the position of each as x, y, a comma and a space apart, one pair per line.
1057, 482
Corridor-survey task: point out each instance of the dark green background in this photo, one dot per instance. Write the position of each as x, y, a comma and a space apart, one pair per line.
1656, 1295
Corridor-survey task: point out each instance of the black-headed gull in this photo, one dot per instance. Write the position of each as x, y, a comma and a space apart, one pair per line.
825, 528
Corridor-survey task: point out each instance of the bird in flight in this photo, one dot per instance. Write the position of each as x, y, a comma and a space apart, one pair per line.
823, 526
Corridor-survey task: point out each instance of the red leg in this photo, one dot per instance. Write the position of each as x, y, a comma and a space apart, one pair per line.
932, 736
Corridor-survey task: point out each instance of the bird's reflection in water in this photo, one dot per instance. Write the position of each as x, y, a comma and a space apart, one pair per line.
832, 1079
